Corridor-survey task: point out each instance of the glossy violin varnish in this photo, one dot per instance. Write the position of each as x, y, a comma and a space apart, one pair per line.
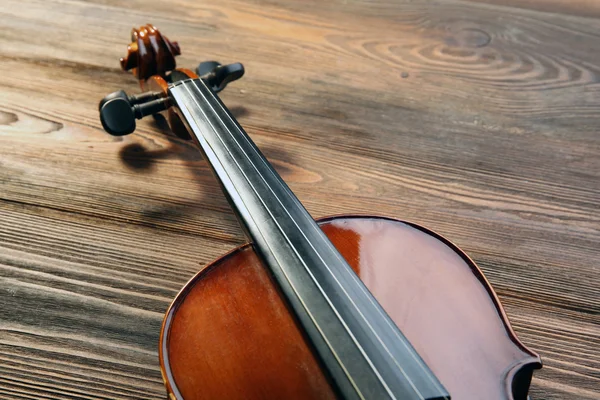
229, 333
232, 337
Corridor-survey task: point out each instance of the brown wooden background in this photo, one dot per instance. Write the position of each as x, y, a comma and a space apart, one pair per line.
478, 119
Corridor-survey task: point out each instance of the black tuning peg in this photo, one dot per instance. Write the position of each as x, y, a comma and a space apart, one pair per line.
217, 76
118, 111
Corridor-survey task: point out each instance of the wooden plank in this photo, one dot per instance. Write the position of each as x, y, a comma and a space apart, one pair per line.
583, 8
477, 119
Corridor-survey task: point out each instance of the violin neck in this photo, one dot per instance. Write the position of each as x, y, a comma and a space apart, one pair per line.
359, 345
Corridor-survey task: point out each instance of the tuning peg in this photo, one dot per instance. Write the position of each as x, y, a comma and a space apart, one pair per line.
118, 111
217, 76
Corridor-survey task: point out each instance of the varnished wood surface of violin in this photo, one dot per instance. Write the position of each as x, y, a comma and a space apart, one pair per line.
230, 322
476, 119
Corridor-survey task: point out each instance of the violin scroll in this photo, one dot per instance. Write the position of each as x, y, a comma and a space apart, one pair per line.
150, 53
151, 58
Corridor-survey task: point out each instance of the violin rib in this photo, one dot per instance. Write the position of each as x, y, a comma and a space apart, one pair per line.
229, 333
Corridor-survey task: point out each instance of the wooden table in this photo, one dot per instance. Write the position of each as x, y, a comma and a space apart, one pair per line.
477, 119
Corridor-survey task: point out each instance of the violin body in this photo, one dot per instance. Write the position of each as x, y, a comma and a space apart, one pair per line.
229, 333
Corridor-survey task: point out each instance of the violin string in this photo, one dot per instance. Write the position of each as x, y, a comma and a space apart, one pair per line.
337, 254
208, 150
316, 284
308, 241
432, 379
242, 150
310, 273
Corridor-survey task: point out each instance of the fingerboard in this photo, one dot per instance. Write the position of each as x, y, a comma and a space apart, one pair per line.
363, 351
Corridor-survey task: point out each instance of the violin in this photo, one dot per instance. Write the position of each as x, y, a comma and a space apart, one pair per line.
349, 307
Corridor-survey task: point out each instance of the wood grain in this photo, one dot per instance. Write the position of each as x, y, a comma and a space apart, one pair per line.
476, 119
